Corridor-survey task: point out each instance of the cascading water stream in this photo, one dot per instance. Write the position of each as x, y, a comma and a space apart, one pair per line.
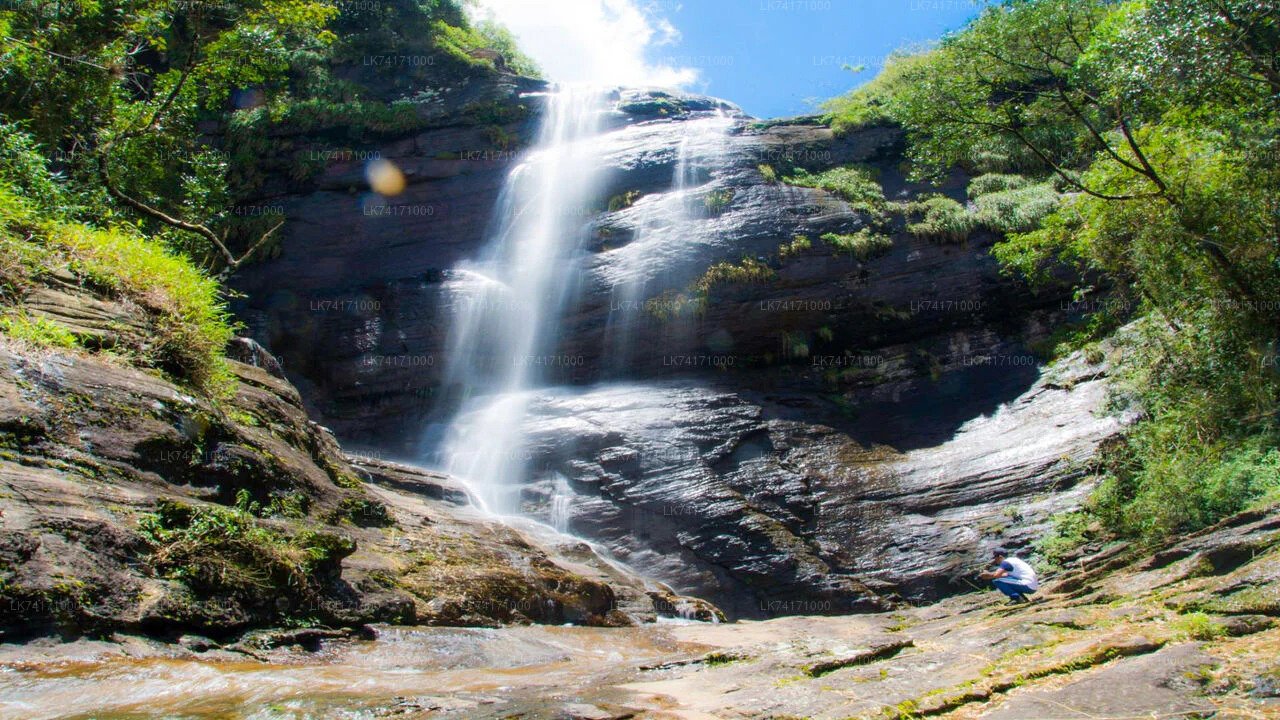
510, 303
507, 303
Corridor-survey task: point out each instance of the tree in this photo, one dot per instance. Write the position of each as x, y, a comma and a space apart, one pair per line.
1051, 85
117, 90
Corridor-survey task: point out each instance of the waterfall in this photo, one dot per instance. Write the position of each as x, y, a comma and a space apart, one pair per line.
561, 504
506, 303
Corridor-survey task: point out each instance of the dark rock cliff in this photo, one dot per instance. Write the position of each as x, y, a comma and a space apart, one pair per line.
355, 300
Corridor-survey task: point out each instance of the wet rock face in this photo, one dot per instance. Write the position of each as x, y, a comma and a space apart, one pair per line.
727, 496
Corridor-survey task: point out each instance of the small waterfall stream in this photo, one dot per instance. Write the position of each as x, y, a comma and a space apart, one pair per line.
666, 219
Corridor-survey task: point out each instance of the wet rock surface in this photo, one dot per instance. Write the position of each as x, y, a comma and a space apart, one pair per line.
728, 496
845, 434
358, 298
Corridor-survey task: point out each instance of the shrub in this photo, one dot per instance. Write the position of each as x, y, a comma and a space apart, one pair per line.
1198, 626
996, 182
864, 244
1070, 530
872, 103
718, 200
192, 325
23, 168
622, 201
1207, 446
1018, 209
1187, 486
362, 512
749, 270
942, 220
21, 260
225, 551
767, 172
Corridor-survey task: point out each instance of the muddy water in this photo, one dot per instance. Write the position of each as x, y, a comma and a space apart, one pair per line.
406, 672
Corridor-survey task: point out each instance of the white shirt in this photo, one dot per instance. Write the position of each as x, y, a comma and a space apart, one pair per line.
1020, 572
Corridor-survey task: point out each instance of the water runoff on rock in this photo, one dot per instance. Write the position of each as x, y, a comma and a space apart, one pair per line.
662, 221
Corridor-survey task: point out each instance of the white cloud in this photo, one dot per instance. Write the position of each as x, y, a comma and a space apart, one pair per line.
603, 42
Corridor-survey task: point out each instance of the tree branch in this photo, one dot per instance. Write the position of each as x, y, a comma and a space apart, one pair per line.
1098, 135
1142, 157
234, 265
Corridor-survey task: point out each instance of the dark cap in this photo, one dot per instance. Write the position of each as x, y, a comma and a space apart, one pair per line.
999, 552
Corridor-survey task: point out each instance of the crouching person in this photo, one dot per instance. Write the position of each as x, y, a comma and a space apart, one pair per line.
1011, 576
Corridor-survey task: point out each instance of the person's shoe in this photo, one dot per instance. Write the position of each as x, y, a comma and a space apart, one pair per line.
1018, 599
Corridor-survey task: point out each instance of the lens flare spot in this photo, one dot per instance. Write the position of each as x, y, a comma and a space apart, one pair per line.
384, 177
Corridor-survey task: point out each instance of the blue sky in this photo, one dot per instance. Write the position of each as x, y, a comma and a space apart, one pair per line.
772, 57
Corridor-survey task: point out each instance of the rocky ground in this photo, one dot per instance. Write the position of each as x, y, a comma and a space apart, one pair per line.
1188, 632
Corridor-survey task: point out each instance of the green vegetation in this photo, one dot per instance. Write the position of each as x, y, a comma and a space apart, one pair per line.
673, 304
1020, 206
870, 105
718, 658
1070, 531
941, 220
717, 200
361, 511
798, 244
622, 201
855, 185
1198, 626
107, 168
999, 202
37, 331
768, 173
864, 244
225, 550
190, 323
748, 270
1130, 144
1161, 482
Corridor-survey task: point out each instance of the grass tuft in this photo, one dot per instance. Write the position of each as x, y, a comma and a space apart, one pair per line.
941, 220
798, 244
855, 185
864, 244
226, 551
191, 323
37, 331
